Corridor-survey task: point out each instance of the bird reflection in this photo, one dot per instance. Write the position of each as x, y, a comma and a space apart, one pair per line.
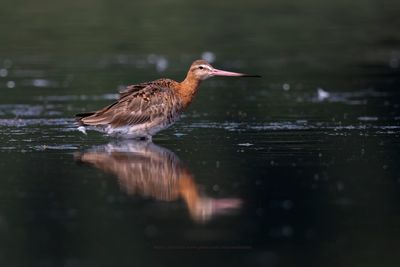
146, 169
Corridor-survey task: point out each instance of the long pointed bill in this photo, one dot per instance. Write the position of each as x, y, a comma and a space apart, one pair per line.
217, 72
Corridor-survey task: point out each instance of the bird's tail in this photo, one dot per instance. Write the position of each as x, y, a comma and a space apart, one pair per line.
79, 117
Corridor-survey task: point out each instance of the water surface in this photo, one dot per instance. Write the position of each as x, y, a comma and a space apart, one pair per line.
299, 168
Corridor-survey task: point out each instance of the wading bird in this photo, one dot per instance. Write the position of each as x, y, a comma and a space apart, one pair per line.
144, 109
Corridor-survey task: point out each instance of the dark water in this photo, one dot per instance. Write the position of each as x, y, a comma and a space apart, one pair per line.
299, 168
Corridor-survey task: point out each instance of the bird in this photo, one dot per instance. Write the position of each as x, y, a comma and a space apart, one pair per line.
144, 109
154, 172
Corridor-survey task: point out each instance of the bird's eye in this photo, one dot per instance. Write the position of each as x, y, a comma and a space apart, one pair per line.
201, 67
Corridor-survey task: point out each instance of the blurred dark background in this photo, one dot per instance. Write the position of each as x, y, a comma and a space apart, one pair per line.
311, 149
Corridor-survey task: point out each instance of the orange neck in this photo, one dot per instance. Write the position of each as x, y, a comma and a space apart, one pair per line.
188, 89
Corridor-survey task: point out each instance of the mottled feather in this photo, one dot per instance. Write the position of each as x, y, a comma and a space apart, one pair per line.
138, 104
146, 108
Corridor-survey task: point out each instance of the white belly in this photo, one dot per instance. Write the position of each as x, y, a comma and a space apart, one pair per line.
146, 130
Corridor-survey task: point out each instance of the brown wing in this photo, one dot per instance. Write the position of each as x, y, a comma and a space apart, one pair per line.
137, 105
132, 89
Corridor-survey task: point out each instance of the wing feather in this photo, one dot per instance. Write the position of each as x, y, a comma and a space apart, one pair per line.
138, 104
132, 89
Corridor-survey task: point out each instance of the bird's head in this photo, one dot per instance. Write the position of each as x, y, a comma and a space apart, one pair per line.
201, 70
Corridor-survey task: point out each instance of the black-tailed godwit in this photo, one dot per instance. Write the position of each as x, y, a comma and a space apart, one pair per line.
144, 109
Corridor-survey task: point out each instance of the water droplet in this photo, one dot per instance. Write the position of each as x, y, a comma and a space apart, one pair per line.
10, 84
40, 83
322, 94
179, 134
367, 118
3, 72
208, 56
161, 64
286, 86
245, 144
215, 188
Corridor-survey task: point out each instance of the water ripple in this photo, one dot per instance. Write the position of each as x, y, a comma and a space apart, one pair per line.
65, 98
35, 122
328, 128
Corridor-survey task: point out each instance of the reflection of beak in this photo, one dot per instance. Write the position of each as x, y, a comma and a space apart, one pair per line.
205, 208
217, 72
225, 204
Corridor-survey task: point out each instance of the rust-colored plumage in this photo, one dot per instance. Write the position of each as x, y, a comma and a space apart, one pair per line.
146, 108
